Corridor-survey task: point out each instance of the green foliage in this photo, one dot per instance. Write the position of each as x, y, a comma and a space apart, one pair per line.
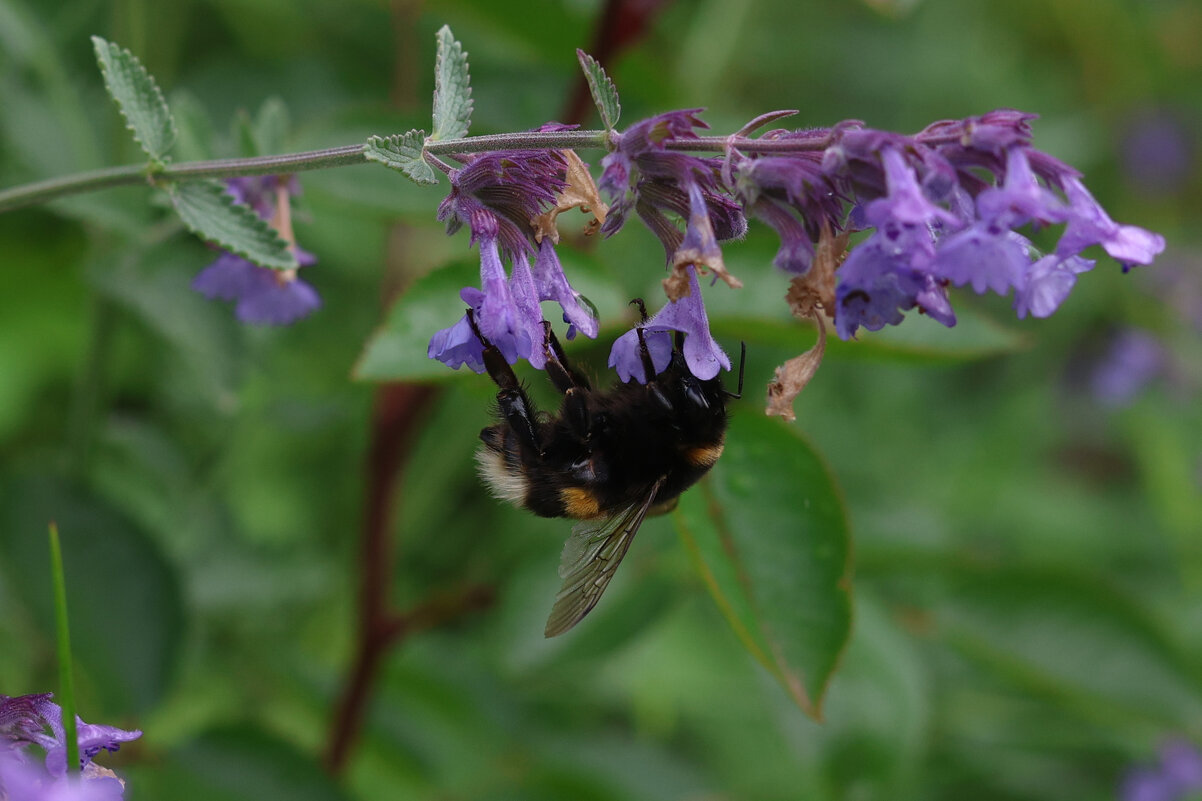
139, 98
452, 89
601, 87
769, 537
209, 212
1028, 579
115, 576
402, 152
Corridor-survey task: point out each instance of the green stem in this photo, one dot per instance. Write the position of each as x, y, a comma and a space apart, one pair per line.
66, 682
42, 191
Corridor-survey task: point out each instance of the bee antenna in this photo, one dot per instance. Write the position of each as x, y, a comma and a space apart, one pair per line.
742, 364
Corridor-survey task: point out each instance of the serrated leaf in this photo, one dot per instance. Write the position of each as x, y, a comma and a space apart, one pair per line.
605, 94
769, 536
209, 212
452, 89
402, 152
138, 96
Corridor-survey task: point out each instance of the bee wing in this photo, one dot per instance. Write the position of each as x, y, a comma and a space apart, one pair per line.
590, 558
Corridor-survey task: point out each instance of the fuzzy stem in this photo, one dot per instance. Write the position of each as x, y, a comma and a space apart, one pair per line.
52, 188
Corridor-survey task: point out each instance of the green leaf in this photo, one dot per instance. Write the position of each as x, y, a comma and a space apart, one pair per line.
139, 98
768, 533
238, 764
1066, 636
605, 94
125, 601
402, 152
209, 212
452, 89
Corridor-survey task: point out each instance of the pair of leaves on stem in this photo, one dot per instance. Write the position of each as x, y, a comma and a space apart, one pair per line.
204, 206
453, 111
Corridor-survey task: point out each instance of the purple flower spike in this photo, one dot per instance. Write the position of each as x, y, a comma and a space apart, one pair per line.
506, 312
553, 285
497, 194
642, 174
1089, 224
702, 354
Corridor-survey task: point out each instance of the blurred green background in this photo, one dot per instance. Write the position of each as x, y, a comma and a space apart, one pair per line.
1027, 542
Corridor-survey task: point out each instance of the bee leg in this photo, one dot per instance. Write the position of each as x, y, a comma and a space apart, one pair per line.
561, 372
515, 406
571, 382
642, 309
645, 355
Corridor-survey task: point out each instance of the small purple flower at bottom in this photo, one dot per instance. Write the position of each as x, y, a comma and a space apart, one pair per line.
263, 295
35, 721
702, 354
1176, 776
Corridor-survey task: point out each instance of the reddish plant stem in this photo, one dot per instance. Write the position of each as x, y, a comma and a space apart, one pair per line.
398, 409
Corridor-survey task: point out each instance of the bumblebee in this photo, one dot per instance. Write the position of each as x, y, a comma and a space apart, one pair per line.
608, 459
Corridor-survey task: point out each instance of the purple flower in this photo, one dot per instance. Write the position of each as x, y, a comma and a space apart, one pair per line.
877, 283
793, 195
1046, 284
1158, 152
262, 295
1177, 774
1133, 359
34, 720
644, 175
507, 310
702, 354
1089, 224
552, 284
497, 194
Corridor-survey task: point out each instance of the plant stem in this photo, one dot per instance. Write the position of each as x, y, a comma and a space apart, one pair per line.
66, 683
52, 188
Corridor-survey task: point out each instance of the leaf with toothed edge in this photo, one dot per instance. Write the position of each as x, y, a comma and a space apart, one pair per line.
138, 97
402, 152
604, 93
211, 213
452, 89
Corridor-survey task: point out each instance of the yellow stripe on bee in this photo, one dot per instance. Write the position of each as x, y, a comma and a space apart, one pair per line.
579, 503
704, 456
